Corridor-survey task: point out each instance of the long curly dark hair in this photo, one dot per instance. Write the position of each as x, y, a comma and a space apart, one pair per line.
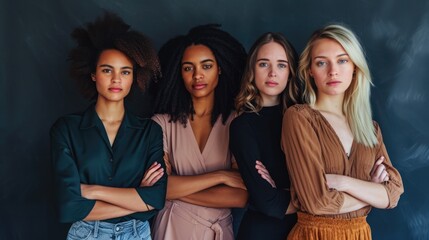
172, 97
110, 32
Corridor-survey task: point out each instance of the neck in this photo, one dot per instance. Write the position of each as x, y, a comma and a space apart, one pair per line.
333, 104
110, 111
203, 106
269, 101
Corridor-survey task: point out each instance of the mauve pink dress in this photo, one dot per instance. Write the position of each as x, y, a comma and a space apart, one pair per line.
181, 220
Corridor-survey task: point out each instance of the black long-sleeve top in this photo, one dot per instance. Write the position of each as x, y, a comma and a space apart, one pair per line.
258, 137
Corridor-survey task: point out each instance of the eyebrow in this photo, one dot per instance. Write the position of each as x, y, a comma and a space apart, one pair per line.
203, 61
109, 66
266, 59
339, 55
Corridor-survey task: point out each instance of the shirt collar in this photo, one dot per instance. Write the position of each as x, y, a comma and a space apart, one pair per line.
90, 119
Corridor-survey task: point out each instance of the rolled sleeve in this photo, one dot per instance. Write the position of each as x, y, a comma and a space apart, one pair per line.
155, 195
394, 187
72, 206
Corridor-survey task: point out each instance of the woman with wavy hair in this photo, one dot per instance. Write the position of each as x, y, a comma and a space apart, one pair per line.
269, 87
338, 164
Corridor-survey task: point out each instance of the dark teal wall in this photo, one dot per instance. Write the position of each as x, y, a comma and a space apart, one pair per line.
36, 89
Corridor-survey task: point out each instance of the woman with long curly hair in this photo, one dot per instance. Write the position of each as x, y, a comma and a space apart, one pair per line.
109, 168
201, 72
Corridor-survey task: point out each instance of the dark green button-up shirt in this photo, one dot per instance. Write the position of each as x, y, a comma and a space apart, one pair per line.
82, 153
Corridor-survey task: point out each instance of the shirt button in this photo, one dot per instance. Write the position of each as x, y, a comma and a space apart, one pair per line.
110, 178
111, 160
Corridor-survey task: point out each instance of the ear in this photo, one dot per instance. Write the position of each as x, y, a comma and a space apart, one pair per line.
93, 77
309, 72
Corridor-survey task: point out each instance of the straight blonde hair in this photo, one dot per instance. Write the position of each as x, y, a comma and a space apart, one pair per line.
356, 104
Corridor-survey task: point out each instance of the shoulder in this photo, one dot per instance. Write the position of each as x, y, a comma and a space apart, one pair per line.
68, 121
299, 111
144, 123
161, 119
243, 119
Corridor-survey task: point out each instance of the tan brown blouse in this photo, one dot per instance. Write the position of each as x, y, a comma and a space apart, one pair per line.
313, 149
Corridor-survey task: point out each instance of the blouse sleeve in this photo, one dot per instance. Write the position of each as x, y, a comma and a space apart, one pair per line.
72, 206
300, 142
155, 195
394, 186
271, 201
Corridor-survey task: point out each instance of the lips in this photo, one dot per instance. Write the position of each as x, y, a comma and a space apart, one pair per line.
271, 83
199, 86
333, 83
115, 89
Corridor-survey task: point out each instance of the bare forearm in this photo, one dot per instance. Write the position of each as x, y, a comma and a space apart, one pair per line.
181, 186
351, 204
103, 211
372, 193
225, 197
127, 198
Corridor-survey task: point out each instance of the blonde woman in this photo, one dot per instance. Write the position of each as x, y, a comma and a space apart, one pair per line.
333, 146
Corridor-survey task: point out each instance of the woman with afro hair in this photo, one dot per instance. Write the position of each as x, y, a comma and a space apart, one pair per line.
109, 168
201, 74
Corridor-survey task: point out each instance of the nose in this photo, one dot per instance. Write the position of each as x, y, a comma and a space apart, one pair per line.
333, 71
272, 73
116, 77
197, 75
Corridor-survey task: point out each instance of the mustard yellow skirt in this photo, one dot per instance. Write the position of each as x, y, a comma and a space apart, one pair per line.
311, 227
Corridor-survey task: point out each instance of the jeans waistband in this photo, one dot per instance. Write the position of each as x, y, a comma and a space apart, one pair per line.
115, 228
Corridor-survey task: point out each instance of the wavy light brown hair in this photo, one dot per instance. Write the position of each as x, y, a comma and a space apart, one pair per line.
249, 98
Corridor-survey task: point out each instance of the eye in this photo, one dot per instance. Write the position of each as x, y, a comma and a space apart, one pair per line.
321, 63
106, 70
342, 61
187, 68
126, 72
263, 64
207, 66
282, 65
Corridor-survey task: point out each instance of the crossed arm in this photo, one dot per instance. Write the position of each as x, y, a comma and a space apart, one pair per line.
226, 185
114, 202
359, 193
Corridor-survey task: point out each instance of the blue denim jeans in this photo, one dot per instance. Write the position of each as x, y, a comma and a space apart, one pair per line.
99, 230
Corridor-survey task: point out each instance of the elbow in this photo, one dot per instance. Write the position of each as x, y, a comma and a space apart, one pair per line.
241, 199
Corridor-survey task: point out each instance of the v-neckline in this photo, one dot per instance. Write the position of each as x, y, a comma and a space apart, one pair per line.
195, 139
336, 135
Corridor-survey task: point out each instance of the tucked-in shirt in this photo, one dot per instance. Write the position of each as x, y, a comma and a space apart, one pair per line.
82, 153
313, 149
181, 220
256, 136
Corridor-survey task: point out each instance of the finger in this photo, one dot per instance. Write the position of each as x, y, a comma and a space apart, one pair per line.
156, 178
377, 163
269, 180
155, 174
152, 169
379, 170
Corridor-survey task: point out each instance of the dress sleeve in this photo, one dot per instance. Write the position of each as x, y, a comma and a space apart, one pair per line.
243, 144
300, 142
72, 206
394, 186
155, 195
